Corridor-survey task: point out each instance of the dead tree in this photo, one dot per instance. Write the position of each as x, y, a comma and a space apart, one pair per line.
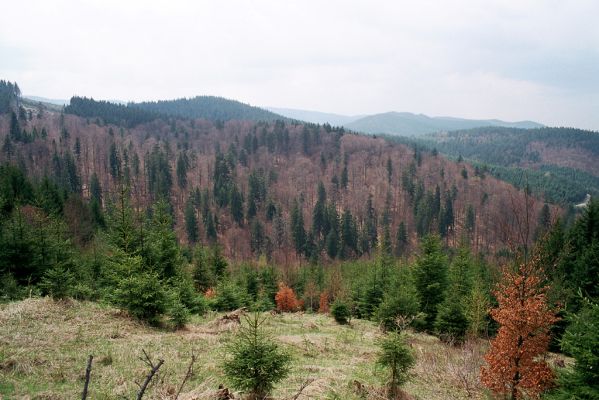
187, 375
153, 369
88, 372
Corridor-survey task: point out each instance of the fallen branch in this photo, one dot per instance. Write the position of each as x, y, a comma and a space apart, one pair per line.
187, 375
88, 372
304, 385
153, 370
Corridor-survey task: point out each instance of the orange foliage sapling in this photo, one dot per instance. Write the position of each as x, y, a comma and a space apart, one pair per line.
516, 366
286, 299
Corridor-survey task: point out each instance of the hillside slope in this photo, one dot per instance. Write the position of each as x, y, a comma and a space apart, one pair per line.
243, 180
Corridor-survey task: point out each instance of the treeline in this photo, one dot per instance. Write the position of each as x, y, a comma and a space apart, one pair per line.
210, 108
110, 113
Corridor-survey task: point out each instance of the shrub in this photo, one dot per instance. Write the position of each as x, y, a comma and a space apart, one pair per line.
581, 339
10, 289
371, 299
396, 358
228, 297
201, 305
179, 314
254, 362
187, 295
323, 303
263, 303
451, 323
286, 300
397, 305
57, 282
340, 311
142, 295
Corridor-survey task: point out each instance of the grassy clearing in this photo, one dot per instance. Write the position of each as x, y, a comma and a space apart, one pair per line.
44, 347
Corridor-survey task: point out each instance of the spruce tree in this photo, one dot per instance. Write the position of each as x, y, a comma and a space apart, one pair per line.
396, 357
161, 250
254, 362
349, 235
298, 232
236, 205
581, 340
217, 261
257, 237
319, 213
182, 165
15, 128
95, 189
191, 223
400, 305
401, 240
203, 274
431, 278
114, 161
123, 232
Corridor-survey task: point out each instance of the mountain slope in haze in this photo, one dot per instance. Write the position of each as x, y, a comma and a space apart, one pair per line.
210, 108
316, 117
408, 124
58, 102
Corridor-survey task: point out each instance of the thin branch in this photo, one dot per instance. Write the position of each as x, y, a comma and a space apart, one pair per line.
304, 385
154, 369
187, 375
88, 372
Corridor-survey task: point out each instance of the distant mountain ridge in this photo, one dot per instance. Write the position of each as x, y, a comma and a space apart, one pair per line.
409, 124
316, 117
398, 123
391, 123
58, 102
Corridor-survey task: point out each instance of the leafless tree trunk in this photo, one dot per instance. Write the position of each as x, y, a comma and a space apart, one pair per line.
88, 372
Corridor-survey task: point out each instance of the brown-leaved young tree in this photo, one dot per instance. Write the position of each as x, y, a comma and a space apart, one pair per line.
516, 366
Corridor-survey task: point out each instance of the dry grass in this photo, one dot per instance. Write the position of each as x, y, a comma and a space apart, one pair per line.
44, 346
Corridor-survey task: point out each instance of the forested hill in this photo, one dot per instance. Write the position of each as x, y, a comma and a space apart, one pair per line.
210, 108
286, 190
563, 163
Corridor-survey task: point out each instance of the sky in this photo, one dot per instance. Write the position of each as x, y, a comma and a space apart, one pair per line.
512, 60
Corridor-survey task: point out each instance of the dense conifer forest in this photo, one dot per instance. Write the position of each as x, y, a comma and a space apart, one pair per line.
209, 108
560, 164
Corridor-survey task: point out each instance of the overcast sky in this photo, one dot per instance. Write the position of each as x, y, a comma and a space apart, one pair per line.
512, 60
